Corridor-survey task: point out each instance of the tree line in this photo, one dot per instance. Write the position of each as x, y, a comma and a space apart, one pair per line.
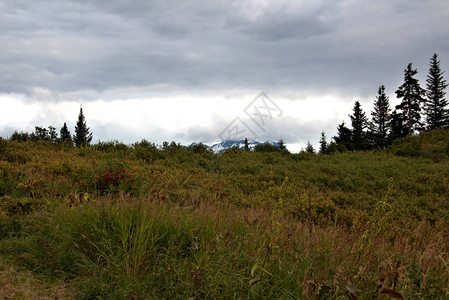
82, 136
420, 110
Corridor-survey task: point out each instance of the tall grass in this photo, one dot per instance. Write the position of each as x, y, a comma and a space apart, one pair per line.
144, 248
239, 225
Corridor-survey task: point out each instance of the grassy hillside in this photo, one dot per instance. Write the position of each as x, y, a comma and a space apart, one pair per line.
115, 221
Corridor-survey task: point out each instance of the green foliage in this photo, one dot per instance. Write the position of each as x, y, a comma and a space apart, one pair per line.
436, 106
343, 139
359, 123
309, 148
266, 147
398, 129
65, 135
138, 248
82, 135
412, 96
3, 145
201, 225
281, 144
381, 116
432, 144
44, 134
110, 146
146, 151
20, 136
323, 144
200, 149
10, 206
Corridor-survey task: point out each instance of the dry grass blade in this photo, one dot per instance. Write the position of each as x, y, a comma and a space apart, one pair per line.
391, 293
253, 282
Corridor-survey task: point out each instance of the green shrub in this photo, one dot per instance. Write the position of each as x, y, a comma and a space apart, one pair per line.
432, 144
146, 151
110, 146
3, 145
266, 147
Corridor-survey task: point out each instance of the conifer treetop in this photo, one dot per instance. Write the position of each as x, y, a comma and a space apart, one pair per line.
82, 135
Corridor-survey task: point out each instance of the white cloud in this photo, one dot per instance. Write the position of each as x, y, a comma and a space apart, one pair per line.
184, 119
172, 69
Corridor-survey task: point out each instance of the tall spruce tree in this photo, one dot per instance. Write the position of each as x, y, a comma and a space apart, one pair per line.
65, 134
381, 116
323, 143
359, 122
412, 98
436, 106
82, 135
309, 148
343, 139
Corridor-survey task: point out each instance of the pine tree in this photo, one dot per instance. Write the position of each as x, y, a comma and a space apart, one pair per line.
381, 116
359, 122
398, 129
309, 148
436, 106
412, 98
323, 143
343, 139
82, 135
281, 144
65, 134
246, 144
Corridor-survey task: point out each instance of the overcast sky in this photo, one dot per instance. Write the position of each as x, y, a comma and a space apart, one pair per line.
186, 70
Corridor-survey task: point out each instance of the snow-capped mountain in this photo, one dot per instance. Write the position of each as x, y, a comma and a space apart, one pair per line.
224, 145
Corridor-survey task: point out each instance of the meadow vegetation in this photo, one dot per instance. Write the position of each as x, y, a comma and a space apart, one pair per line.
115, 221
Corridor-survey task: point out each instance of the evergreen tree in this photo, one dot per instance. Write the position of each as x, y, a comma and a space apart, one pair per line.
359, 122
20, 136
52, 134
309, 148
246, 144
40, 134
412, 98
398, 129
436, 106
82, 135
381, 116
281, 144
343, 139
65, 134
323, 143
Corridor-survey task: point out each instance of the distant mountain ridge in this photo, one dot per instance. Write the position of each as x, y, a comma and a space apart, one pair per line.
224, 145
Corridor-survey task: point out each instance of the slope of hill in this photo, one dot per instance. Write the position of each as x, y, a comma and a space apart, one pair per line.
138, 222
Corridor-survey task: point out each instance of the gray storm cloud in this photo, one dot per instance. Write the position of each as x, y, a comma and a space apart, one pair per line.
345, 46
54, 51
